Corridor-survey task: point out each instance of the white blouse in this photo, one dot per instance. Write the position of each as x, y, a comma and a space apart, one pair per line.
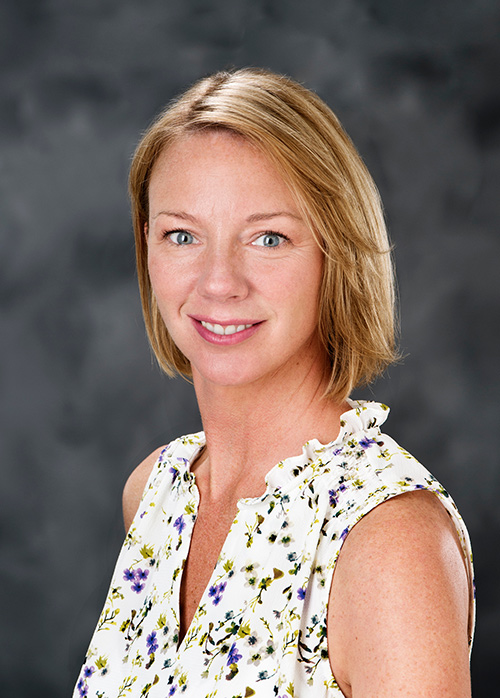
260, 628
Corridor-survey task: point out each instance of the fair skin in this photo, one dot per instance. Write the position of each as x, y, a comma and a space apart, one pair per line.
244, 310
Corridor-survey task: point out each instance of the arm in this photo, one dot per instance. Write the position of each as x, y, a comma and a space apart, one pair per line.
399, 603
134, 487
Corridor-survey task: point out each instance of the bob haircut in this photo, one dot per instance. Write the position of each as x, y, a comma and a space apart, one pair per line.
334, 193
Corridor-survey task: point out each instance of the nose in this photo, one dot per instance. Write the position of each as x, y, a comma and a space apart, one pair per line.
222, 275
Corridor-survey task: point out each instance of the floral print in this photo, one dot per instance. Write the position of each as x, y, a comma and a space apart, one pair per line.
260, 628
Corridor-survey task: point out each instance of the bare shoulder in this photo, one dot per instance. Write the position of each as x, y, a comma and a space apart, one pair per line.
399, 603
414, 518
134, 487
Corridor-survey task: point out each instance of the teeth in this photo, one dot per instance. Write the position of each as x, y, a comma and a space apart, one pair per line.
229, 329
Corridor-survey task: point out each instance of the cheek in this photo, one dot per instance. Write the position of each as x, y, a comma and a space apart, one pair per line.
161, 271
153, 262
304, 285
296, 299
162, 281
308, 290
172, 285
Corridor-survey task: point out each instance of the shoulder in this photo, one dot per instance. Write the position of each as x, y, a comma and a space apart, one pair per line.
399, 602
406, 524
134, 487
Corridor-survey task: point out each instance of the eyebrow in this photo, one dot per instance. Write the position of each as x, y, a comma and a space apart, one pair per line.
176, 214
257, 217
254, 218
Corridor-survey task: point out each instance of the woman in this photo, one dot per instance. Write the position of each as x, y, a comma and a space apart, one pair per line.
291, 549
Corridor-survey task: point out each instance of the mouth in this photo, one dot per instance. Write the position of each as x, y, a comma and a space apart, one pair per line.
225, 333
225, 329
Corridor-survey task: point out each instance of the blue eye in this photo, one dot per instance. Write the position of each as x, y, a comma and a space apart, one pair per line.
181, 237
270, 240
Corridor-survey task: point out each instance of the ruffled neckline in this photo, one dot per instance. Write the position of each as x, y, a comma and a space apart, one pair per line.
364, 416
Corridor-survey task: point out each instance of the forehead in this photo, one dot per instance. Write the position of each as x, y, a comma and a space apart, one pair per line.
198, 147
217, 163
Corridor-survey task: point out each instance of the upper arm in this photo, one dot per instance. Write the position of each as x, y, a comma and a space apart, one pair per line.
399, 604
134, 487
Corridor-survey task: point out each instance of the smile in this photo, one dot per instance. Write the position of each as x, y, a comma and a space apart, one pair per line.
228, 329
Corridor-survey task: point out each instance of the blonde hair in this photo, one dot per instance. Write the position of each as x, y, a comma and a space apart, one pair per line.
335, 194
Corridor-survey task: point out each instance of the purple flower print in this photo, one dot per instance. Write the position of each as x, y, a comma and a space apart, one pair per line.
233, 657
152, 642
344, 533
301, 593
174, 471
140, 575
366, 442
172, 690
88, 671
180, 524
137, 577
82, 687
216, 591
334, 494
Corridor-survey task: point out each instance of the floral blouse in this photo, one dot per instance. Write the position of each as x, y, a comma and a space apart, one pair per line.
260, 628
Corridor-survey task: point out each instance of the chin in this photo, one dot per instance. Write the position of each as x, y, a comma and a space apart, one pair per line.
227, 373
223, 377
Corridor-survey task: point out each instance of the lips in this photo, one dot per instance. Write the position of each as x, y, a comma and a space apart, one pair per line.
225, 333
225, 329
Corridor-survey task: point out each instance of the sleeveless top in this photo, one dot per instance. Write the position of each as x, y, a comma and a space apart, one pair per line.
260, 628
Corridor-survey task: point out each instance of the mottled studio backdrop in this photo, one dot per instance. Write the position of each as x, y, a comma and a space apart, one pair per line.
415, 82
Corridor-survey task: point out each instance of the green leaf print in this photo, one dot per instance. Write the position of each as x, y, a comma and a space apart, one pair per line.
108, 617
147, 551
228, 566
126, 686
101, 663
244, 630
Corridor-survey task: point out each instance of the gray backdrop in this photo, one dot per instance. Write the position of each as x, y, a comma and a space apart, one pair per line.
416, 84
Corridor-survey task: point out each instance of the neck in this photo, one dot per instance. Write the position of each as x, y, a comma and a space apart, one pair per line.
252, 427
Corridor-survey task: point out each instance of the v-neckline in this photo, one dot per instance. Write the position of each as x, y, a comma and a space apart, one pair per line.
205, 596
204, 599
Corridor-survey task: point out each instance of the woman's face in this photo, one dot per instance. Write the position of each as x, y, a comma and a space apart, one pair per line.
235, 270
